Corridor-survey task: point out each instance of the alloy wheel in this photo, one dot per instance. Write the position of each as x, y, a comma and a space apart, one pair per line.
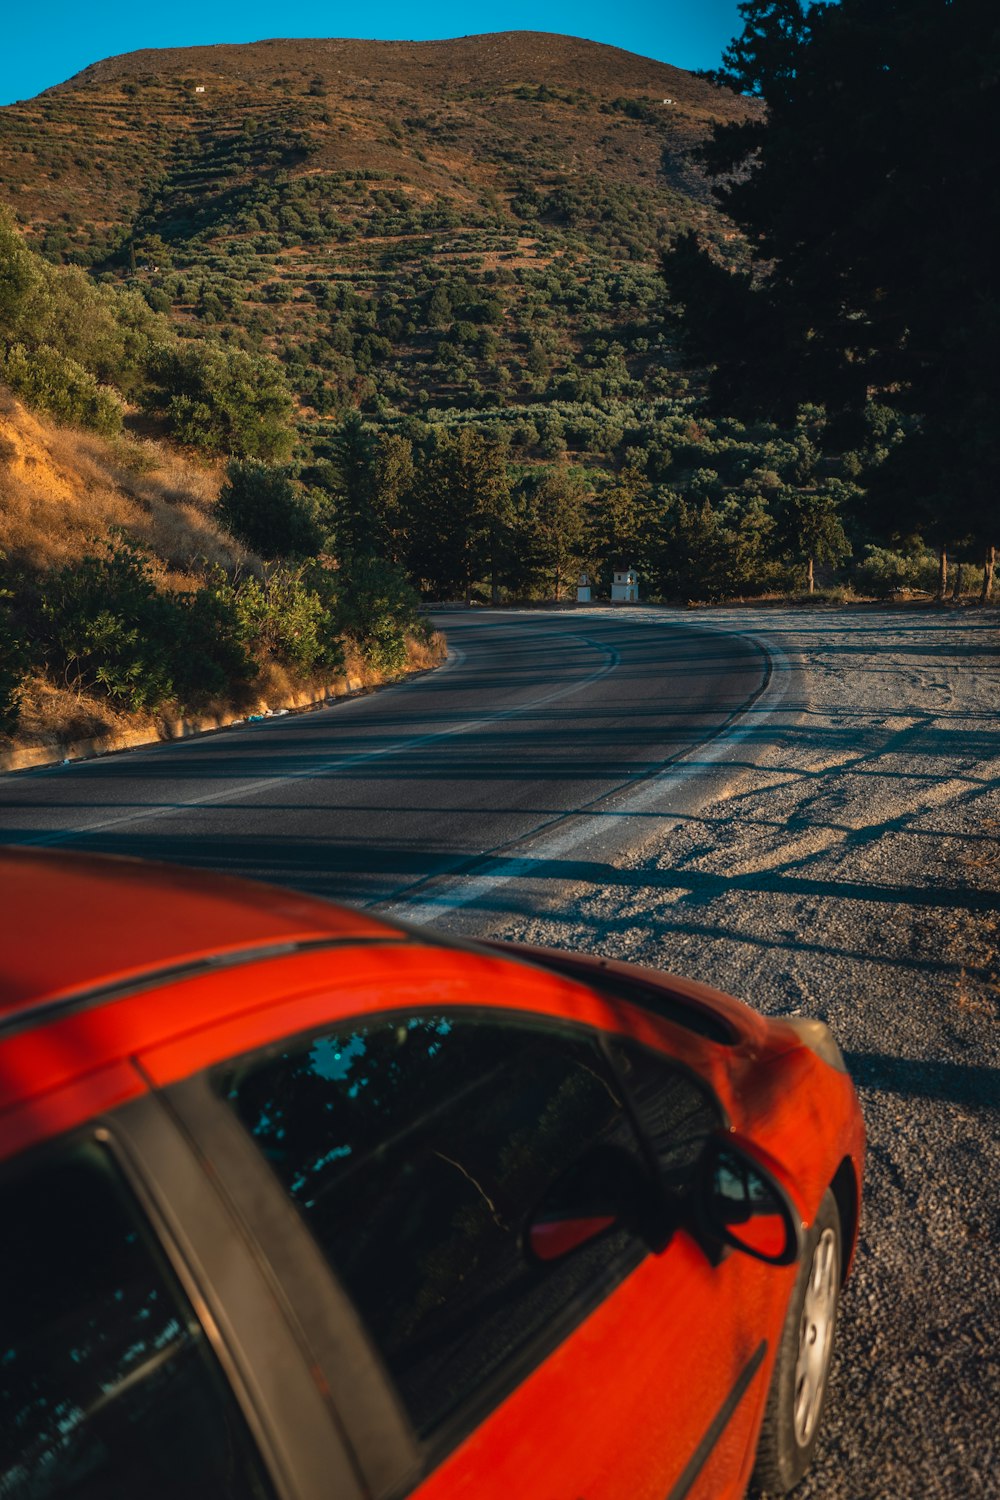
816, 1336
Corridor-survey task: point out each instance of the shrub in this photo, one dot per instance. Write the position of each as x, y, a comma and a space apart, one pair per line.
14, 662
210, 658
109, 628
265, 511
882, 571
280, 616
157, 299
106, 626
378, 607
53, 383
223, 400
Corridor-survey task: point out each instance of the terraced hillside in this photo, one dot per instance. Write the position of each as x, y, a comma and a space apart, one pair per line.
411, 228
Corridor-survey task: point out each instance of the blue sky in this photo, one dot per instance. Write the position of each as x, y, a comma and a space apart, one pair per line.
47, 41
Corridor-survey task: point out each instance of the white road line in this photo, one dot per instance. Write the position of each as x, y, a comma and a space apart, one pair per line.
433, 902
242, 790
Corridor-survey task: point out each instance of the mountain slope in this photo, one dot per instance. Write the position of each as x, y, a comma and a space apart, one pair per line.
470, 224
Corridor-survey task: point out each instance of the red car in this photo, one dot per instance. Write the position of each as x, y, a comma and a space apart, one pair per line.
297, 1203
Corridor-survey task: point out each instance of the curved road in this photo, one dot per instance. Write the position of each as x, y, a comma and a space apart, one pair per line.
546, 733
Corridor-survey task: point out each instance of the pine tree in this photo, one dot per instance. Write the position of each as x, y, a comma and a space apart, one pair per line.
871, 207
458, 512
559, 523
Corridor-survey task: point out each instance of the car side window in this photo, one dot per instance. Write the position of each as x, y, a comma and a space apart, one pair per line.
108, 1390
417, 1151
676, 1113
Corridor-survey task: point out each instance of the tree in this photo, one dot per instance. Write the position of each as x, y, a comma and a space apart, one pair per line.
439, 310
812, 528
266, 511
357, 526
559, 517
716, 550
223, 400
621, 527
694, 550
392, 480
458, 511
65, 341
23, 295
872, 213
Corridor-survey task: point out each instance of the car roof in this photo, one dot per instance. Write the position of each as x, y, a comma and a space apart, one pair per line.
73, 924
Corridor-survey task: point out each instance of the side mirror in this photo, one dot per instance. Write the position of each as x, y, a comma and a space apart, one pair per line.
746, 1206
606, 1189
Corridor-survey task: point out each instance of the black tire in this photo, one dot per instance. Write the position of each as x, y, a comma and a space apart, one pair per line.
798, 1391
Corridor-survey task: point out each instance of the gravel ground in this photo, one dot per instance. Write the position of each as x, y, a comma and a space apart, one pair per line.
852, 871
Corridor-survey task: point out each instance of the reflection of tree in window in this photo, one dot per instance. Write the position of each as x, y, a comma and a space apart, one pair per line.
107, 1391
417, 1152
676, 1113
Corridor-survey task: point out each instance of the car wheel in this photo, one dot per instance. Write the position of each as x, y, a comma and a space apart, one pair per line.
799, 1383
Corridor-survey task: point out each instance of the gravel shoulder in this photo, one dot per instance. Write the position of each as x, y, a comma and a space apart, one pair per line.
851, 870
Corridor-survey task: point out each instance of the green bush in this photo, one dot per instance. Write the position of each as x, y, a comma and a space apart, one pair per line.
882, 571
223, 400
102, 330
14, 662
157, 299
210, 657
279, 616
378, 607
265, 511
57, 385
108, 628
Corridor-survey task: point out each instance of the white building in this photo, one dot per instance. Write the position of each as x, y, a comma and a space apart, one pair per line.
625, 586
583, 589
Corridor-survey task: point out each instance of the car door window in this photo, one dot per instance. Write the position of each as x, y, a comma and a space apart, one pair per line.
417, 1151
675, 1111
108, 1390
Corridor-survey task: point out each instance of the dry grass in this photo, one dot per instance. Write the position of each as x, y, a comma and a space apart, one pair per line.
421, 655
52, 715
60, 489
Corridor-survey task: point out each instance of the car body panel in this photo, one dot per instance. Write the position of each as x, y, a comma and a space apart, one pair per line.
772, 1085
746, 1025
159, 917
30, 1117
631, 1431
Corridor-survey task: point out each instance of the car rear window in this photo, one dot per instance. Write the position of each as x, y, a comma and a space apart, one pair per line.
108, 1390
416, 1150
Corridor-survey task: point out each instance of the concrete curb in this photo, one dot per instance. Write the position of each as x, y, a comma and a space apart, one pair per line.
59, 752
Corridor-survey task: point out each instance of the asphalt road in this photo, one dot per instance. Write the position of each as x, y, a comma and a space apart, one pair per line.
543, 732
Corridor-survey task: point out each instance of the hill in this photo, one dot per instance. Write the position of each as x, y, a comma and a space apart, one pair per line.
471, 224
